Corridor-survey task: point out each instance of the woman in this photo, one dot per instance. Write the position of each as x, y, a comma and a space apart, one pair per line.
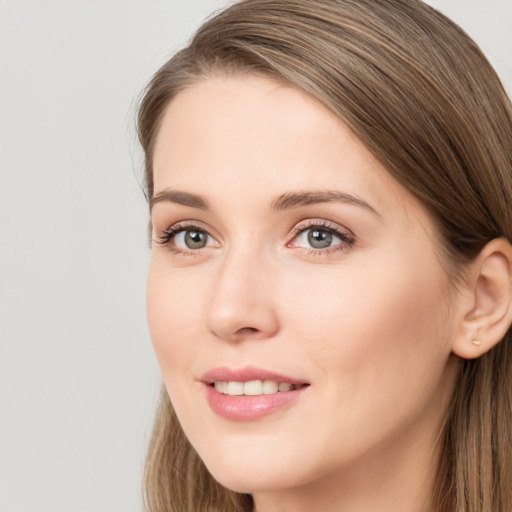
329, 294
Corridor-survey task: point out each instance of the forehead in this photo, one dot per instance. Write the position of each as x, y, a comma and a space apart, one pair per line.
250, 134
243, 110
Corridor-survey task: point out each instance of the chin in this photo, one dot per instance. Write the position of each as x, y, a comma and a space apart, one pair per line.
250, 471
248, 480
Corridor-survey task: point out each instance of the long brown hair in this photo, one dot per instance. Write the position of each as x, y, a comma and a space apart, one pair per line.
418, 92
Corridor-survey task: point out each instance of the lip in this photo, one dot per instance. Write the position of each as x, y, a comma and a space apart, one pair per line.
245, 374
245, 407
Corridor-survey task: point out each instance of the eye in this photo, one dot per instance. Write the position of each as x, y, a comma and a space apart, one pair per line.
317, 238
321, 237
185, 239
191, 239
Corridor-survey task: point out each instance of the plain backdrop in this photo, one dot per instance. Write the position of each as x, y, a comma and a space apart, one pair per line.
78, 379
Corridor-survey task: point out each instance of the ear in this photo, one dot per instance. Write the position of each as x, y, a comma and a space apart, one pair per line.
486, 301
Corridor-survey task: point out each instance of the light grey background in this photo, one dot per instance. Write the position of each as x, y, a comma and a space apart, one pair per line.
78, 380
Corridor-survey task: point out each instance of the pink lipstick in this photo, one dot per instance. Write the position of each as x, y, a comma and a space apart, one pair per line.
250, 393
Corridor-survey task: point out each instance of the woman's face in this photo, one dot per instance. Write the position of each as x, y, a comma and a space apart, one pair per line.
284, 254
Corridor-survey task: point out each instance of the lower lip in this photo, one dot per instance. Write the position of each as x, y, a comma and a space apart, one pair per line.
248, 408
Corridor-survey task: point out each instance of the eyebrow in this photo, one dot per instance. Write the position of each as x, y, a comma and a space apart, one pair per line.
179, 197
291, 200
286, 201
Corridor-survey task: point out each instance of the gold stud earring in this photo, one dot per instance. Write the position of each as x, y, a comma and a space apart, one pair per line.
476, 341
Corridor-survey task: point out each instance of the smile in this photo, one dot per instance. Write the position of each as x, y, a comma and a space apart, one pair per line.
254, 387
250, 393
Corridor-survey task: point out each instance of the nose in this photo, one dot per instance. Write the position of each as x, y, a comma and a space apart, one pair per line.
241, 305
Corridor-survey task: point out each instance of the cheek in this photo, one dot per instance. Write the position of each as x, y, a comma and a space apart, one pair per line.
367, 327
173, 315
377, 342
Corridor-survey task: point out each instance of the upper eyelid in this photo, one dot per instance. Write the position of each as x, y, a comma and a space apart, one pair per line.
302, 225
184, 226
323, 224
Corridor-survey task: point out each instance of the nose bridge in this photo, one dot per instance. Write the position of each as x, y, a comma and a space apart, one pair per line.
241, 303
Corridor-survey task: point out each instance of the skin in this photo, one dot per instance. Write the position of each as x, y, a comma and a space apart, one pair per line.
368, 322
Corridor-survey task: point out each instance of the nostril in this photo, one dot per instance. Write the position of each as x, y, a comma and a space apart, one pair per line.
247, 330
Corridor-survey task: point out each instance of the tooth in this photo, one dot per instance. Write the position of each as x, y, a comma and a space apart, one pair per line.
235, 388
253, 387
220, 386
269, 387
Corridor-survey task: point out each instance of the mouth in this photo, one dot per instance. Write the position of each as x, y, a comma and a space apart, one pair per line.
254, 387
250, 393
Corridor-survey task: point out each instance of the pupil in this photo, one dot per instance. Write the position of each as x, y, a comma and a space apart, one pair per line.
319, 239
195, 239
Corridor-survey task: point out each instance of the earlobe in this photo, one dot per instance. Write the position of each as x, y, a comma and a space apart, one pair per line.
488, 313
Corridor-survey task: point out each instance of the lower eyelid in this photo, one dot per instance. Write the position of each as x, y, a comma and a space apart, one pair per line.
324, 252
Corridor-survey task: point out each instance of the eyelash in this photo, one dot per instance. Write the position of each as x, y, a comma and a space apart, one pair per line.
168, 234
346, 237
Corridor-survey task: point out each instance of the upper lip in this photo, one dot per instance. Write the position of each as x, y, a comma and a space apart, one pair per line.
248, 373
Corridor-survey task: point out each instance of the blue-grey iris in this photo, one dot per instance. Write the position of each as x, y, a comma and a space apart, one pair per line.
319, 239
196, 239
